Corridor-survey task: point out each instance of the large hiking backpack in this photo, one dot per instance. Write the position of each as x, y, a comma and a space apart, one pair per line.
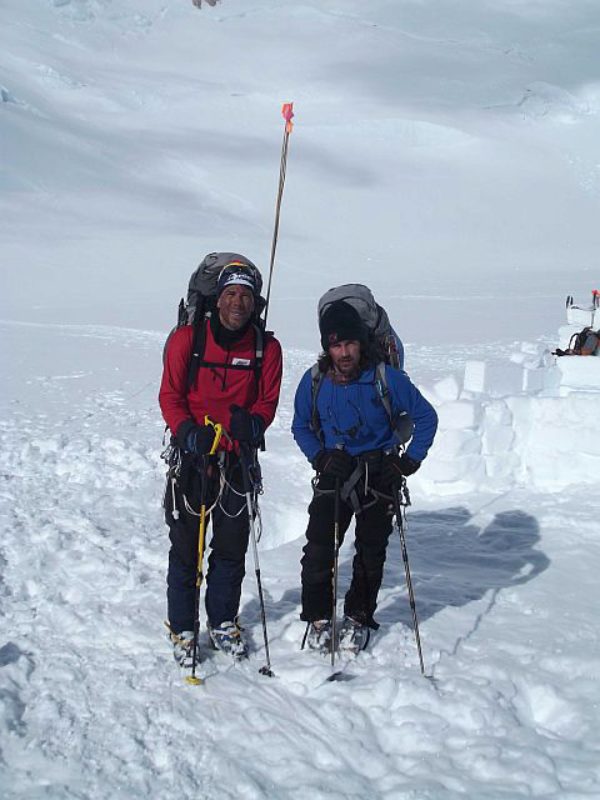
200, 303
578, 340
372, 314
380, 329
202, 288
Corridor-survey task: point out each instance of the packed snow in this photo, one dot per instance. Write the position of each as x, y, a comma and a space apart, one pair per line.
443, 153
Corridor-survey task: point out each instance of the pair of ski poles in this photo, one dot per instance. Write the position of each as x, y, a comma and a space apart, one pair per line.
245, 461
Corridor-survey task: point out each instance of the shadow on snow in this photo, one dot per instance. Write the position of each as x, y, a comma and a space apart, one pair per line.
453, 562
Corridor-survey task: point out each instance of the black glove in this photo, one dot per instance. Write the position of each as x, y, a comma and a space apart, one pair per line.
395, 467
246, 427
334, 463
197, 439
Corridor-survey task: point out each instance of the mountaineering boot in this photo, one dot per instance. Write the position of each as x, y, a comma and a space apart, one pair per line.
183, 648
227, 638
319, 635
354, 636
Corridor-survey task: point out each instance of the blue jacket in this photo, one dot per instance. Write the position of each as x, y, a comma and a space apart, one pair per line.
354, 416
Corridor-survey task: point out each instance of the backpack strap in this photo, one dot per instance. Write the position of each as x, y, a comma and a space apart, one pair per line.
573, 341
382, 389
199, 346
259, 351
316, 379
384, 395
182, 317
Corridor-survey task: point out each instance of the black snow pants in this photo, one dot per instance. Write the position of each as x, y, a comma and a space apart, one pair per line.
228, 544
373, 529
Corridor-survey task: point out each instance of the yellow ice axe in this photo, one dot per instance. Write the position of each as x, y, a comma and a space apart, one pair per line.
218, 429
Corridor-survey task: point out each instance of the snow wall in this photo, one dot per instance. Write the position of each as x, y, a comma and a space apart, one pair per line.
530, 421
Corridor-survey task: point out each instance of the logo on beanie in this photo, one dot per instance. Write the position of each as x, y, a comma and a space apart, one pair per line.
236, 275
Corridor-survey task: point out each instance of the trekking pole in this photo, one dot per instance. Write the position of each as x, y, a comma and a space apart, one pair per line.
218, 429
245, 460
400, 488
287, 112
334, 577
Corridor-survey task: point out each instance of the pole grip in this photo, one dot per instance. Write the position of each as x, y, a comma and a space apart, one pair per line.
246, 460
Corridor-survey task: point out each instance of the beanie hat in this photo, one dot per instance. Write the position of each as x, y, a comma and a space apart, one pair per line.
341, 322
238, 274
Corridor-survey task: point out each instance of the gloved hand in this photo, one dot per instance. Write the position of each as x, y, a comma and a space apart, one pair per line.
199, 440
334, 463
246, 427
395, 467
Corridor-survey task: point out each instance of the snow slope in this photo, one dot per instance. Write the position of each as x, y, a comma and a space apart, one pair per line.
446, 154
93, 705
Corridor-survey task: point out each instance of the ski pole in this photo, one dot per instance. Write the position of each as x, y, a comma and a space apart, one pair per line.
245, 461
218, 429
334, 577
287, 112
399, 488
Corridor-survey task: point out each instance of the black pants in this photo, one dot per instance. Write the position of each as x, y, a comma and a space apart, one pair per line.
373, 528
228, 545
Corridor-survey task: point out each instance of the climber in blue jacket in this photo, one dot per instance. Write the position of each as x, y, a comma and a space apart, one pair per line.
352, 417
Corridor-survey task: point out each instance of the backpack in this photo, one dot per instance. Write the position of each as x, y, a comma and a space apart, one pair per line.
202, 288
200, 304
372, 314
577, 340
380, 330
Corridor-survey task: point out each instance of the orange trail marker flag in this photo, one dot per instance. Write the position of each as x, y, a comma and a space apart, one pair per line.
287, 111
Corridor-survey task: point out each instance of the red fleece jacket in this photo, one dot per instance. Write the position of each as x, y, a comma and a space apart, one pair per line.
218, 388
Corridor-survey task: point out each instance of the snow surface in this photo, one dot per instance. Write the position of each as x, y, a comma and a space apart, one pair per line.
446, 154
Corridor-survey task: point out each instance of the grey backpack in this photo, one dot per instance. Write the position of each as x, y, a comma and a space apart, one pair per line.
202, 287
372, 314
200, 303
378, 323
